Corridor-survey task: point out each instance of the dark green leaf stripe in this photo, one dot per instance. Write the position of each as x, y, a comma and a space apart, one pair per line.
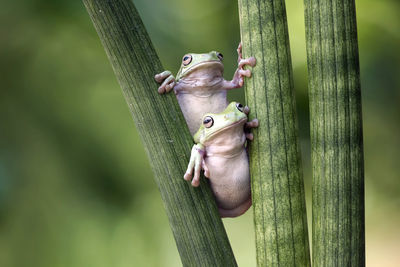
336, 133
277, 181
196, 225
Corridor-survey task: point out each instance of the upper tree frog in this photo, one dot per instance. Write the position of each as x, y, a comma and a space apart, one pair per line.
220, 151
200, 86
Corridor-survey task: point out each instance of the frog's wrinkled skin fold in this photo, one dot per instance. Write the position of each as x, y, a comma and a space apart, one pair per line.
220, 150
200, 86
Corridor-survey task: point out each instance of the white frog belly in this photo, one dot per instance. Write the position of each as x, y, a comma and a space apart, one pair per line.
229, 179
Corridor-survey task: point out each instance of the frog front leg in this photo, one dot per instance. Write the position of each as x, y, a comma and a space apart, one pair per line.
167, 81
195, 164
240, 73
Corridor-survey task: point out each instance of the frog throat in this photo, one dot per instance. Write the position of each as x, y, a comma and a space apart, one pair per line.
222, 155
199, 82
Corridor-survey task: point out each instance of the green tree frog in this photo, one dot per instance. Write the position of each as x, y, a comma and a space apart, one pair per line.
220, 151
200, 86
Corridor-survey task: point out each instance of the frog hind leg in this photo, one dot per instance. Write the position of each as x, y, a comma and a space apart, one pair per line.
236, 211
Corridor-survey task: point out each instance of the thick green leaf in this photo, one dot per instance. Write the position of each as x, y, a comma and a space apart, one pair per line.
277, 180
194, 219
336, 133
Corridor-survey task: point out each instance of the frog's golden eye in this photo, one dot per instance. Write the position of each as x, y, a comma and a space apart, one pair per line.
186, 60
208, 122
239, 107
220, 56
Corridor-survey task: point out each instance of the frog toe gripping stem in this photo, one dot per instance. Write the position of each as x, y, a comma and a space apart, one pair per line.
252, 124
195, 163
167, 81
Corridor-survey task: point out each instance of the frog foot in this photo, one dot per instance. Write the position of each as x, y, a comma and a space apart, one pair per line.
250, 124
195, 164
167, 81
239, 51
248, 61
238, 78
251, 61
242, 73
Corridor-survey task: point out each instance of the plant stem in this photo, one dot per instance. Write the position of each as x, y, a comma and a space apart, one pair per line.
193, 216
277, 182
336, 133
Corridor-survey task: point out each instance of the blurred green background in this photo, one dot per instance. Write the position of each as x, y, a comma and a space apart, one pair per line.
75, 184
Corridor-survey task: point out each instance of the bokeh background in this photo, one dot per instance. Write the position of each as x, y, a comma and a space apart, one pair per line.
75, 184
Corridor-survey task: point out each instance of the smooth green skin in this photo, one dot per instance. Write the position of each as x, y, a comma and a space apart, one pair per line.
197, 60
229, 116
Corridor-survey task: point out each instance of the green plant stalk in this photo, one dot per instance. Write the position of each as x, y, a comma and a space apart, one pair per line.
198, 230
336, 133
275, 165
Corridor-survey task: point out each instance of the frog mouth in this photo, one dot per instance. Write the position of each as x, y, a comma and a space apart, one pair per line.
206, 63
228, 127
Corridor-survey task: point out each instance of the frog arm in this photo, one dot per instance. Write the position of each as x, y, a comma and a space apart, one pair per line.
167, 81
206, 169
238, 78
195, 163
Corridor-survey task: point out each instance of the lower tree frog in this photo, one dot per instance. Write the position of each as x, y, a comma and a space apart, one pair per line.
220, 151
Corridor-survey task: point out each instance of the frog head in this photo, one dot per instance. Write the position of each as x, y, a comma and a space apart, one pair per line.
209, 62
214, 124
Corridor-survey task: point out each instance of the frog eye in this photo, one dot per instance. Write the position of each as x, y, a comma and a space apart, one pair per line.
208, 121
220, 56
186, 60
239, 107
